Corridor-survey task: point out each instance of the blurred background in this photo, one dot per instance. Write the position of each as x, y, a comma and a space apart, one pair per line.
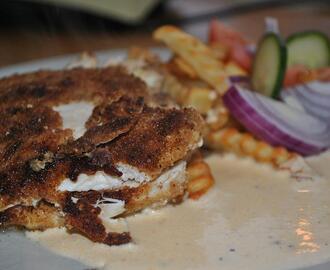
34, 29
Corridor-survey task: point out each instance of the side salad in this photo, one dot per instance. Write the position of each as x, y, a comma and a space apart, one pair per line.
287, 100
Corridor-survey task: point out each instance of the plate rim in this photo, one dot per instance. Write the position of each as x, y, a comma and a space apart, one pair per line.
60, 61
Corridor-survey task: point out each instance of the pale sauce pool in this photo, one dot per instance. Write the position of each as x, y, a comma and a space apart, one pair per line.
254, 218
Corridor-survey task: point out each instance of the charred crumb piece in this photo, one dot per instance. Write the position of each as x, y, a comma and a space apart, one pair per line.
38, 176
40, 163
115, 239
89, 165
82, 217
32, 90
12, 111
5, 217
67, 82
91, 197
38, 91
11, 149
101, 157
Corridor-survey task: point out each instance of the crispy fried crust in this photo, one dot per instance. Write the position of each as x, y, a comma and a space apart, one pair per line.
159, 139
80, 216
38, 154
39, 217
107, 122
51, 88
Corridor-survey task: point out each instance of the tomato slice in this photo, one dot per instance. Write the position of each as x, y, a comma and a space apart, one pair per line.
219, 32
233, 41
298, 74
241, 56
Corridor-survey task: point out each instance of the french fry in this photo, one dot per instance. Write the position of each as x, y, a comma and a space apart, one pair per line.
199, 56
232, 69
185, 68
177, 91
200, 99
197, 95
200, 179
180, 69
245, 144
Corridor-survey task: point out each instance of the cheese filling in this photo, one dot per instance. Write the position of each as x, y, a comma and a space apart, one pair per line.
110, 207
75, 115
131, 177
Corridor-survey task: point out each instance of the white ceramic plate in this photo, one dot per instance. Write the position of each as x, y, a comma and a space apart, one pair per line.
16, 251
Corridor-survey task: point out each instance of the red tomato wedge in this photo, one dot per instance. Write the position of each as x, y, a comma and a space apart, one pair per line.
233, 41
323, 74
241, 56
219, 32
298, 74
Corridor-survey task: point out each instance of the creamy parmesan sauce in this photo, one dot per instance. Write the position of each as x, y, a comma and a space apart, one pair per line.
254, 218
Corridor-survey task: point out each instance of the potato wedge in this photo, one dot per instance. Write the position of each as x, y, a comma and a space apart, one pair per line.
185, 68
232, 69
198, 55
200, 99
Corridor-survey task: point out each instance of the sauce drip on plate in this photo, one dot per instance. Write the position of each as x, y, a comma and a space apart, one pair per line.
254, 218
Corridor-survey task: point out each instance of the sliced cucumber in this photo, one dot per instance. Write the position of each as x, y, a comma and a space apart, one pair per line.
269, 65
310, 48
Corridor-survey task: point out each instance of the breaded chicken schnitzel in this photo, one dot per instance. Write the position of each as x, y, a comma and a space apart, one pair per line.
84, 145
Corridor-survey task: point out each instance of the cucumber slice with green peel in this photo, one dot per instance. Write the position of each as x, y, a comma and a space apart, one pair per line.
269, 65
309, 48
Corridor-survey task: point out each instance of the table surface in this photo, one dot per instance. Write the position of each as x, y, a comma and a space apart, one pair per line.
26, 45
